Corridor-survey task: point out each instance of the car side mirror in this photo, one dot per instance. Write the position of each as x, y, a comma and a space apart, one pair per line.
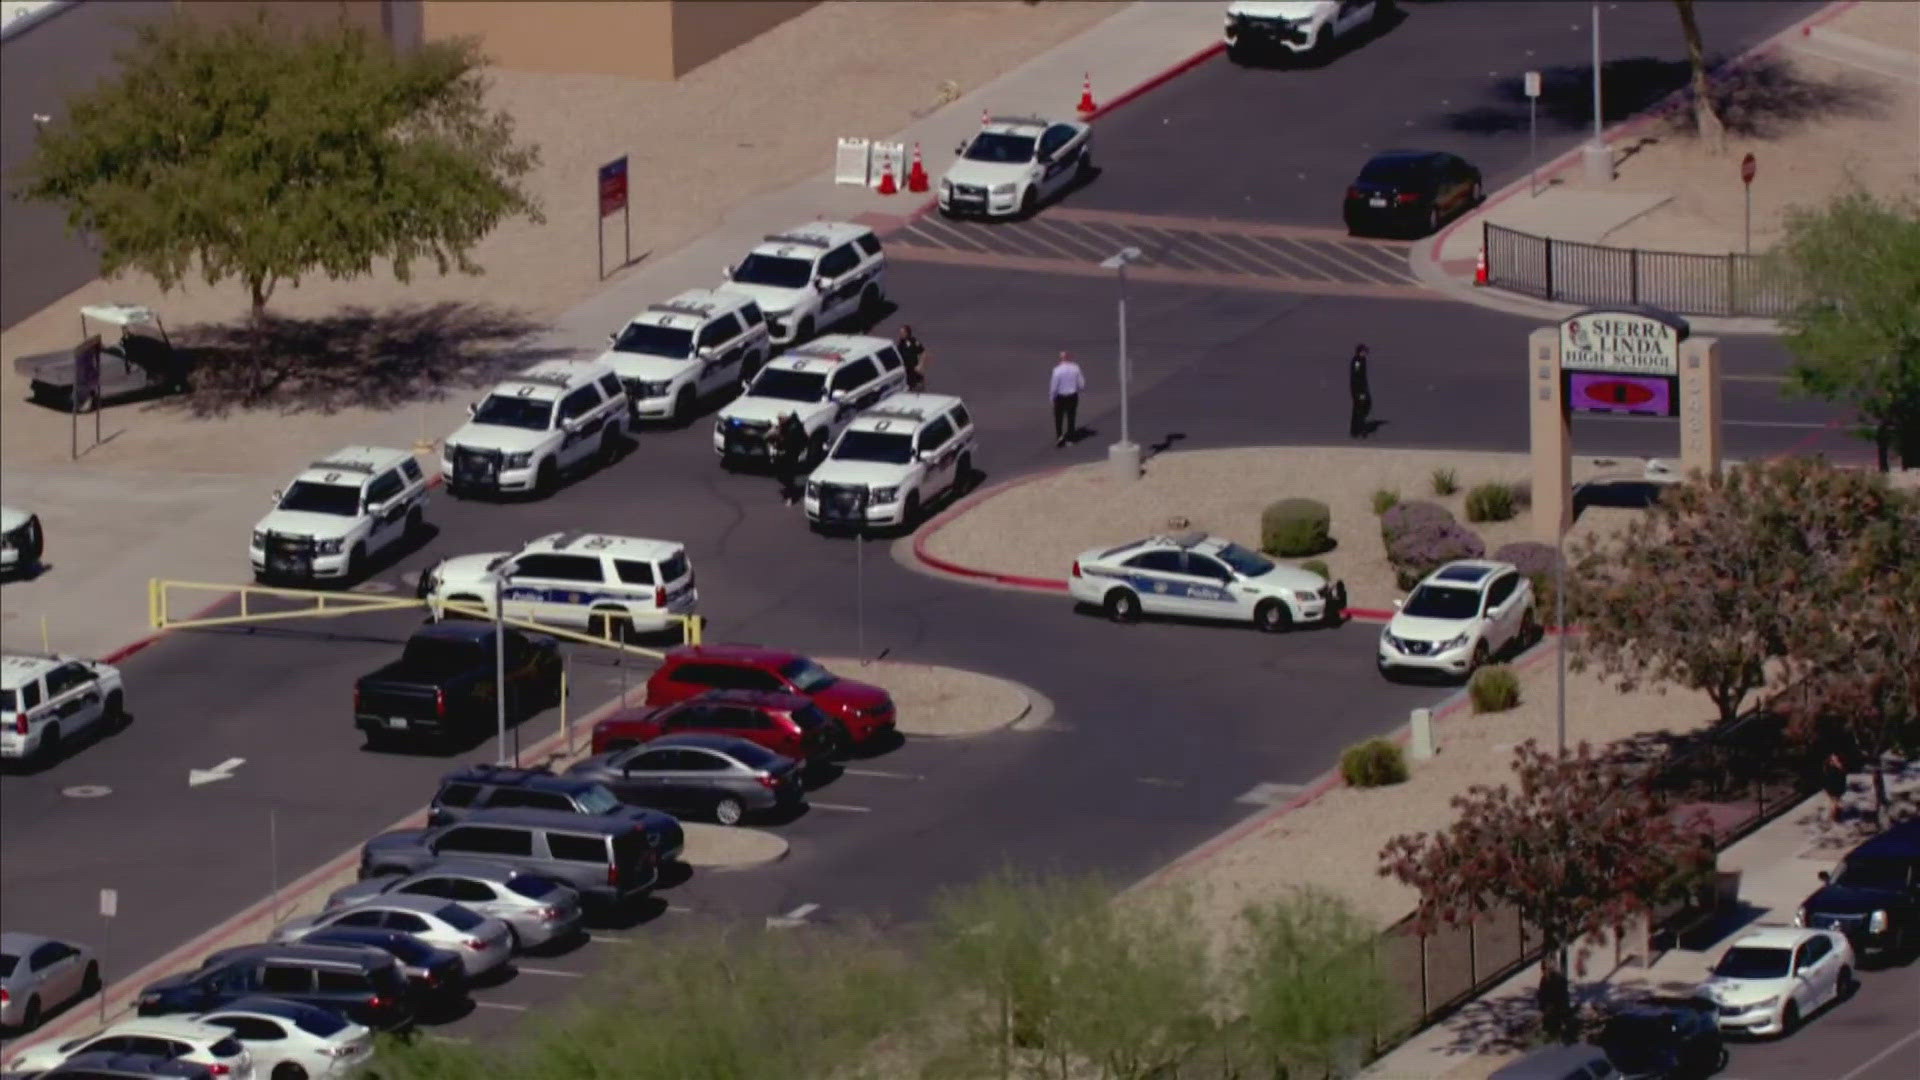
1043, 157
613, 337
278, 494
1825, 877
1397, 603
572, 426
836, 395
821, 284
726, 271
960, 148
473, 407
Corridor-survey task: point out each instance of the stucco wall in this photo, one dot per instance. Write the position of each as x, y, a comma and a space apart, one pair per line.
645, 39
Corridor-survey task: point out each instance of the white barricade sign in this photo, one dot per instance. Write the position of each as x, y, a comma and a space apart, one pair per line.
850, 163
889, 155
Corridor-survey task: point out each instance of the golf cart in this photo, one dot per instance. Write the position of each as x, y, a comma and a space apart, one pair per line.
142, 363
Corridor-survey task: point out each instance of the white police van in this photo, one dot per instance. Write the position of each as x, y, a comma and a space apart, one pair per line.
810, 277
556, 416
675, 355
595, 582
355, 503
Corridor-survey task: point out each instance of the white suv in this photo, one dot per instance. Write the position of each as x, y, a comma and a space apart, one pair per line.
584, 581
356, 502
1015, 162
557, 415
47, 699
673, 356
1459, 617
21, 540
810, 277
824, 382
893, 461
1296, 27
179, 1038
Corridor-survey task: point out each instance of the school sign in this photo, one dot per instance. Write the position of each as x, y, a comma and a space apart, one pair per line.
1622, 343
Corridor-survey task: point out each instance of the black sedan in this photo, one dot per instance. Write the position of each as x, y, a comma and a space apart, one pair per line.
1664, 1040
1410, 192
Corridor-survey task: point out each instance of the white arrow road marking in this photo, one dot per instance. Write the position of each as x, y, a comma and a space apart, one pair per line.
500, 1005
841, 807
796, 917
555, 972
1270, 794
884, 774
222, 771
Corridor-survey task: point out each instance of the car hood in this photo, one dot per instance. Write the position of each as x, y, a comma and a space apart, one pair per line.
467, 569
853, 694
1849, 900
397, 840
768, 410
986, 173
1290, 578
1415, 628
1279, 9
11, 519
302, 523
510, 440
1741, 991
644, 366
772, 301
861, 473
360, 890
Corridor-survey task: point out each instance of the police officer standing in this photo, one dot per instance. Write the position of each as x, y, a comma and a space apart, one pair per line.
789, 444
914, 355
1360, 392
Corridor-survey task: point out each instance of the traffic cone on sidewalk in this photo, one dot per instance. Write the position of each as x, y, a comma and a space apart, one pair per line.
887, 185
917, 175
984, 118
1480, 267
1086, 96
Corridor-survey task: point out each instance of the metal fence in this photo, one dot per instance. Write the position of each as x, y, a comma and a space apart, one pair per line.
1591, 274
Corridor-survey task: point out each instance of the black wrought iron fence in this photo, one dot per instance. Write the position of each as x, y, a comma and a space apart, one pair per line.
1571, 272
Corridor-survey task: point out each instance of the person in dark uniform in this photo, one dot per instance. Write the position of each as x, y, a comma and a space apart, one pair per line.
789, 446
914, 355
1360, 392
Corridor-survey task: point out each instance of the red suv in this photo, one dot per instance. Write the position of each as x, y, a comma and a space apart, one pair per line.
786, 724
866, 711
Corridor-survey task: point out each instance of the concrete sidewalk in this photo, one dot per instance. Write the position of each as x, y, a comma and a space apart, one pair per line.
108, 534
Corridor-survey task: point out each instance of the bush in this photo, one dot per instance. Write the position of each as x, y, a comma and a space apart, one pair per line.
1384, 500
1530, 557
1317, 566
1445, 482
1490, 502
1292, 528
1494, 689
1374, 763
1422, 550
1410, 515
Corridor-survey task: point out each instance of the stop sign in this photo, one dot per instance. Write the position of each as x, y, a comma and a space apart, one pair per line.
1747, 168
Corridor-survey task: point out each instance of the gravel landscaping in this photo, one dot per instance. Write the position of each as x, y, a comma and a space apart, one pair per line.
941, 702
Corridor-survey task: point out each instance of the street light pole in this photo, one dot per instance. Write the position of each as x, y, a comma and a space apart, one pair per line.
1125, 454
1598, 159
500, 666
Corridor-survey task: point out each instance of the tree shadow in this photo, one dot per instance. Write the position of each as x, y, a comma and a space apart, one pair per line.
355, 357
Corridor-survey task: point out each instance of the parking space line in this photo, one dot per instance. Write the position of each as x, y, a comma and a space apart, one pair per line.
1303, 270
499, 1005
842, 807
996, 238
1069, 237
1114, 236
1881, 1056
1153, 273
1357, 256
1209, 247
613, 939
1381, 257
1246, 247
1031, 235
928, 227
1162, 252
884, 774
1313, 251
553, 972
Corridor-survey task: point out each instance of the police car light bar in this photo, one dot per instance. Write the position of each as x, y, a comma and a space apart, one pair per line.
345, 466
1190, 538
562, 540
1035, 121
817, 352
699, 311
543, 379
799, 238
895, 413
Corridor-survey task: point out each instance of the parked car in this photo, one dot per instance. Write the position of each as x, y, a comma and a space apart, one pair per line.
363, 984
536, 909
436, 978
481, 942
865, 710
1581, 1061
713, 775
498, 787
1874, 899
48, 699
1402, 192
291, 1041
606, 859
39, 975
1459, 617
442, 687
1199, 576
173, 1037
140, 363
1290, 29
22, 540
1665, 1041
787, 724
1771, 980
108, 1065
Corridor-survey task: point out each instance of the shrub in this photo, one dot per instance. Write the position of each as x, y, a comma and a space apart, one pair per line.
1292, 528
1384, 500
1530, 557
1422, 550
1409, 515
1494, 689
1445, 482
1490, 502
1374, 763
1317, 566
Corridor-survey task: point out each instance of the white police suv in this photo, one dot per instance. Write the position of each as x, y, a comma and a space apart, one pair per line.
810, 277
45, 700
585, 581
21, 540
825, 383
1288, 28
675, 355
1458, 618
555, 416
355, 503
1014, 163
1196, 575
893, 461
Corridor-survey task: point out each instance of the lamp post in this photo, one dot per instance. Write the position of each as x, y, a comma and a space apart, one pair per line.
500, 666
1597, 159
1125, 454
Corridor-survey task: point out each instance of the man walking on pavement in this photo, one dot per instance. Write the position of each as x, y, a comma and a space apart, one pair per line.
1360, 392
1065, 386
912, 354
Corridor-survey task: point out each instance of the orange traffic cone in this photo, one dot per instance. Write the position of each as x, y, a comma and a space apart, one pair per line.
1086, 96
887, 186
917, 175
984, 118
1480, 267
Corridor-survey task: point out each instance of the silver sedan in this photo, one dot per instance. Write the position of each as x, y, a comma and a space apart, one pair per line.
482, 943
39, 974
537, 909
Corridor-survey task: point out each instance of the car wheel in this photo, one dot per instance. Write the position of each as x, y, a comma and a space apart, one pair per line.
1029, 202
1479, 195
49, 750
749, 367
911, 515
963, 475
609, 448
547, 480
817, 449
416, 522
90, 982
1790, 1020
1272, 617
1479, 657
1845, 984
288, 1070
1238, 53
513, 939
357, 562
1122, 606
115, 714
683, 405
1322, 45
805, 332
1433, 220
728, 811
31, 1018
1083, 170
870, 302
1529, 633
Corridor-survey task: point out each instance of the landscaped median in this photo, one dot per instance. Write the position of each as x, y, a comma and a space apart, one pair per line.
942, 702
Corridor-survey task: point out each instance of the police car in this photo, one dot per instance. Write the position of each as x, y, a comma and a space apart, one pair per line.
673, 356
21, 540
557, 415
810, 277
1014, 163
45, 700
356, 502
1200, 576
892, 461
824, 382
1290, 28
1458, 617
586, 581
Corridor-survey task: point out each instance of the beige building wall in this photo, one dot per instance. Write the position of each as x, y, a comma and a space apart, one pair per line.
645, 39
307, 14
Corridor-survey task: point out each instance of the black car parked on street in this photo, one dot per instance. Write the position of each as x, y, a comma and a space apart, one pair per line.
1410, 193
1665, 1040
1875, 898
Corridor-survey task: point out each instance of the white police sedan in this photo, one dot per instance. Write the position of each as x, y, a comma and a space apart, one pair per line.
1205, 577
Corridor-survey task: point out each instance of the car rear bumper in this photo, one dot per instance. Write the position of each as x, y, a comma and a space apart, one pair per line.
406, 726
1364, 217
534, 931
15, 745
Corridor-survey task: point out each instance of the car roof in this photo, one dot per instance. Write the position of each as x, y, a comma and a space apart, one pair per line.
363, 461
19, 944
424, 905
1775, 937
771, 699
620, 547
510, 776
262, 1005
17, 668
1018, 125
1192, 539
915, 408
811, 239
566, 820
692, 308
829, 351
129, 1065
549, 379
179, 1027
1900, 842
725, 744
1467, 571
484, 869
340, 955
735, 652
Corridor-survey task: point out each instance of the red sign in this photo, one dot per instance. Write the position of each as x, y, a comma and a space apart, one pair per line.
613, 186
1747, 168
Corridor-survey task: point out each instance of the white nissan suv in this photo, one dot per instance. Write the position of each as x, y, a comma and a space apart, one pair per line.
355, 503
675, 355
577, 580
893, 461
812, 276
555, 416
1014, 163
823, 382
1458, 618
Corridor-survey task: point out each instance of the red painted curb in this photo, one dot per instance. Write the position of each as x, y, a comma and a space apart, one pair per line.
947, 516
1212, 50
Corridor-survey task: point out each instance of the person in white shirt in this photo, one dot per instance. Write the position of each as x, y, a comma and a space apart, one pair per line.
1065, 386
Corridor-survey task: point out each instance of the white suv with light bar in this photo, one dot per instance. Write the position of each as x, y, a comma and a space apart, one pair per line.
810, 277
893, 461
1014, 163
675, 355
556, 416
1199, 576
583, 581
46, 700
1296, 27
823, 382
355, 503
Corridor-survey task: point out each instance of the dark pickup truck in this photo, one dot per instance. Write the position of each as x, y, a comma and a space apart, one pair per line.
442, 687
142, 363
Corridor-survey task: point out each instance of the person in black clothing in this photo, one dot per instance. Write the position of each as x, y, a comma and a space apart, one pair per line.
913, 355
1360, 392
788, 441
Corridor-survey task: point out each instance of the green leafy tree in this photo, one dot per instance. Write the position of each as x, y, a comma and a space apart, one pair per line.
250, 151
1135, 988
1310, 986
1855, 332
1706, 119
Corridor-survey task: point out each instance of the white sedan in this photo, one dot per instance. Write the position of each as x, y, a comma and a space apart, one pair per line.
1013, 164
292, 1041
483, 943
1205, 577
1459, 617
1772, 979
174, 1037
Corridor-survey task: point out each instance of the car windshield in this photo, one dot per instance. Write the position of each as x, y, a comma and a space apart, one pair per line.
432, 656
320, 1023
311, 498
1752, 962
598, 800
654, 340
533, 886
1872, 874
1244, 562
504, 411
458, 917
1001, 149
8, 962
1442, 602
774, 271
878, 446
1636, 1041
1393, 171
789, 385
807, 676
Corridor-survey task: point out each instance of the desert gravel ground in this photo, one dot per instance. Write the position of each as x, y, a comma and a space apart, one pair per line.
942, 702
1036, 528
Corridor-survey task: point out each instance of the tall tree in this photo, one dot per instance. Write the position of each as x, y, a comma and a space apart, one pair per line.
1310, 986
1855, 332
1706, 119
1578, 848
254, 152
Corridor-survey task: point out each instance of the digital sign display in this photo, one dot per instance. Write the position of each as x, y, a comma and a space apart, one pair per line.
1639, 395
